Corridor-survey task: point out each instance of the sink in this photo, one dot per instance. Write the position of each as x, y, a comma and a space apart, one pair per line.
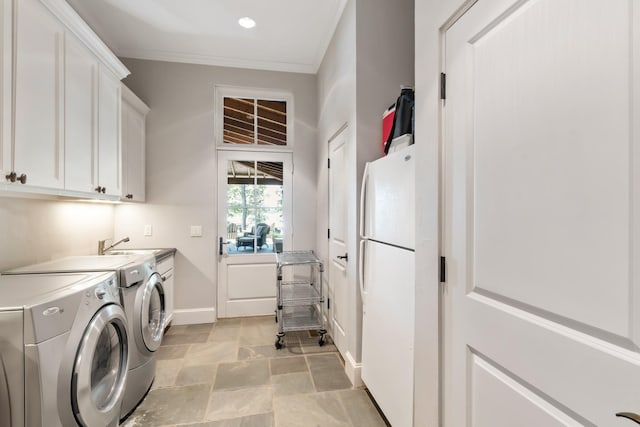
133, 252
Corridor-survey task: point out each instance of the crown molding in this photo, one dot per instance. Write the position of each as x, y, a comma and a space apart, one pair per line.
194, 58
75, 24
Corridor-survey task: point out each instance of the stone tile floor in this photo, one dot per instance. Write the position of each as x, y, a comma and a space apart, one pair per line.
229, 374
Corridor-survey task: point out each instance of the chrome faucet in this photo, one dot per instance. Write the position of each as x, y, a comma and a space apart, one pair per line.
102, 249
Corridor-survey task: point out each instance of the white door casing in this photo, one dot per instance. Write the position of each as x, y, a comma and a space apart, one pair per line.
247, 281
337, 268
542, 149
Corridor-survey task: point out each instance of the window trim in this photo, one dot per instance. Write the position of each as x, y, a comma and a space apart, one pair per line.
224, 91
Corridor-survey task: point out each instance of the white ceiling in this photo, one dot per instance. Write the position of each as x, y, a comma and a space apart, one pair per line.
290, 35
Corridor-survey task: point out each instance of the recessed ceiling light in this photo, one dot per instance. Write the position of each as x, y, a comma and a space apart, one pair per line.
247, 22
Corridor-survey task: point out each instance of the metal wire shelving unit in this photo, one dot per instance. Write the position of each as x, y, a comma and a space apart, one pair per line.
299, 294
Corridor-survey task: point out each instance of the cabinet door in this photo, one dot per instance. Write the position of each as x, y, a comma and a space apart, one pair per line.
165, 268
80, 117
109, 141
39, 146
167, 285
6, 41
133, 146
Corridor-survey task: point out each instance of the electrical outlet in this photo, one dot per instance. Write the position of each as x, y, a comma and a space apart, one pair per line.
196, 231
148, 230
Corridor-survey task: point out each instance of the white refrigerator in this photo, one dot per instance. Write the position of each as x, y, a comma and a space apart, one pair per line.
387, 259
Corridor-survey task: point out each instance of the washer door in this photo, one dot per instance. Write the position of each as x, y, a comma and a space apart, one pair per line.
152, 312
100, 369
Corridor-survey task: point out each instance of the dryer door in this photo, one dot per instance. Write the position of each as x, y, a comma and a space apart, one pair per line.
152, 312
100, 369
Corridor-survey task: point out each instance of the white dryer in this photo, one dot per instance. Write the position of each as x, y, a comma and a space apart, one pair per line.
63, 350
143, 301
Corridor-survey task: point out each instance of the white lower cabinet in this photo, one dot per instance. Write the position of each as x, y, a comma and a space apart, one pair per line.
165, 268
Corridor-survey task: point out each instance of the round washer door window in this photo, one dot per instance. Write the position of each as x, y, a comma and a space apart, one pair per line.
100, 368
152, 315
105, 366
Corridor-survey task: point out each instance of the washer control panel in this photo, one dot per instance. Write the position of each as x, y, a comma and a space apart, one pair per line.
58, 310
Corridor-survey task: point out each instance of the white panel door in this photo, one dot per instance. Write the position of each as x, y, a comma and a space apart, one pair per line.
81, 137
388, 329
542, 147
254, 217
109, 133
39, 85
338, 280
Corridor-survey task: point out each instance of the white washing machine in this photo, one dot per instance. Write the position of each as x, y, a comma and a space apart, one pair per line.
143, 301
63, 350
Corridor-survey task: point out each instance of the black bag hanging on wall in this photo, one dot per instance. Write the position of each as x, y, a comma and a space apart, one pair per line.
403, 119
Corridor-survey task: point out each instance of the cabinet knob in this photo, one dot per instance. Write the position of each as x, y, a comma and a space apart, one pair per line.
104, 190
13, 177
98, 189
129, 196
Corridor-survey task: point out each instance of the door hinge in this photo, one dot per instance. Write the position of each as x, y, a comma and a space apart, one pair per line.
443, 86
328, 303
443, 269
328, 233
328, 163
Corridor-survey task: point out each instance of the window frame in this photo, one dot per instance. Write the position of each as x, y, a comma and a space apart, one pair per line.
223, 91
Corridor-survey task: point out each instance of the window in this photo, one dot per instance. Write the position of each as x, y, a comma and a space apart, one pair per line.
253, 118
254, 140
254, 121
254, 199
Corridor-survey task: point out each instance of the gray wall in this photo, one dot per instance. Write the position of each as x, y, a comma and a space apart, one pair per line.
337, 107
369, 58
385, 61
181, 166
33, 230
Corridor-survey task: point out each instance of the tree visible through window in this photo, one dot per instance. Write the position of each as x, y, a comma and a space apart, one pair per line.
254, 206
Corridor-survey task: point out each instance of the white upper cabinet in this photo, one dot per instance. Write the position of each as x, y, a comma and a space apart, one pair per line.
109, 141
81, 137
6, 68
134, 113
61, 88
38, 149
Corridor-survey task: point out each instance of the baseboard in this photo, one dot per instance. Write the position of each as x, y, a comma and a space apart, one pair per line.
194, 316
353, 370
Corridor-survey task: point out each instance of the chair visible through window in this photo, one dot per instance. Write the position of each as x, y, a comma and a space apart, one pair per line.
258, 234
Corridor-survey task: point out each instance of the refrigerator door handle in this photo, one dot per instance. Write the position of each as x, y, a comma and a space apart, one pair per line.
363, 191
361, 269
